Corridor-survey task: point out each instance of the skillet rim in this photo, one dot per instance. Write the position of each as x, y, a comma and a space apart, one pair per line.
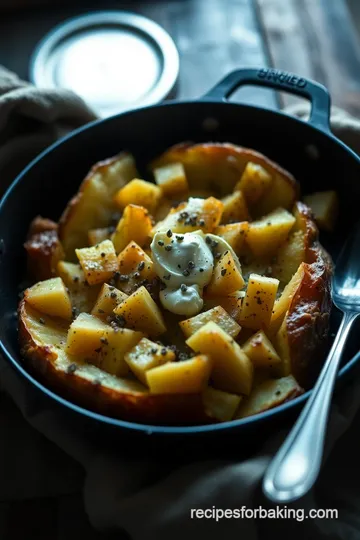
160, 429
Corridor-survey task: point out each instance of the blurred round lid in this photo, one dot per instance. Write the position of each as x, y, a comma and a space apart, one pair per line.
114, 60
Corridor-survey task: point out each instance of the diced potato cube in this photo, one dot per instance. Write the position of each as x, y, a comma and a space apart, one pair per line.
231, 303
260, 350
139, 192
282, 303
283, 193
140, 312
98, 235
220, 405
218, 315
115, 344
268, 395
267, 234
147, 355
254, 182
234, 234
325, 207
171, 179
85, 336
109, 297
82, 295
98, 262
192, 215
136, 265
259, 301
50, 297
135, 224
289, 257
187, 377
226, 278
235, 208
232, 370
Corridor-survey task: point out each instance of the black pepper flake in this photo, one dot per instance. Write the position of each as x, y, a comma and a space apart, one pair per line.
153, 350
41, 320
201, 222
179, 238
183, 287
76, 279
183, 356
223, 271
113, 295
71, 369
168, 248
104, 340
161, 243
186, 272
277, 393
191, 265
137, 275
74, 312
184, 214
163, 351
169, 233
103, 254
167, 277
141, 266
179, 265
123, 278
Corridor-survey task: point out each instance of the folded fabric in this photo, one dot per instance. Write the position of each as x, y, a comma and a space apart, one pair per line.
152, 499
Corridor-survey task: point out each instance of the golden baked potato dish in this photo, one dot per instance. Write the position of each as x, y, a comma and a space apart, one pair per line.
200, 295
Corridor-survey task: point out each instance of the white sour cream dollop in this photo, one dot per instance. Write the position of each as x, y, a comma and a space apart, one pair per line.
185, 263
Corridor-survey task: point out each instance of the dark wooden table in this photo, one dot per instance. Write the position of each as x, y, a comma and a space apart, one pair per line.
314, 38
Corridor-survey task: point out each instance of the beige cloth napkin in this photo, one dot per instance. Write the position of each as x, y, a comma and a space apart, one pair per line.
147, 499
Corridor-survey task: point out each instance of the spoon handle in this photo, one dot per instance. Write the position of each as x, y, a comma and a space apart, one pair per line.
295, 467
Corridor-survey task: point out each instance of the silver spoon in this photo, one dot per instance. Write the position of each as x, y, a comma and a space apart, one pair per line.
295, 468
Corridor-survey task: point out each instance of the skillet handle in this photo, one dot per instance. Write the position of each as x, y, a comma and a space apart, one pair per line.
316, 93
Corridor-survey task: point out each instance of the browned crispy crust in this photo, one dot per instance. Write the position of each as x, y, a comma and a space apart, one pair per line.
142, 407
43, 248
219, 166
309, 312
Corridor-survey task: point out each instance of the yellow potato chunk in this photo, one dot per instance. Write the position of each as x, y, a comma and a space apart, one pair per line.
260, 350
139, 192
257, 306
282, 194
325, 207
171, 179
282, 303
220, 405
195, 214
135, 224
235, 208
268, 395
289, 257
140, 312
98, 262
267, 234
50, 297
218, 315
254, 182
85, 336
226, 278
136, 265
109, 297
115, 344
232, 370
147, 355
82, 296
96, 236
234, 234
231, 303
187, 377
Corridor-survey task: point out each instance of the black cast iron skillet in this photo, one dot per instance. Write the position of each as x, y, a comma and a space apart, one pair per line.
308, 150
